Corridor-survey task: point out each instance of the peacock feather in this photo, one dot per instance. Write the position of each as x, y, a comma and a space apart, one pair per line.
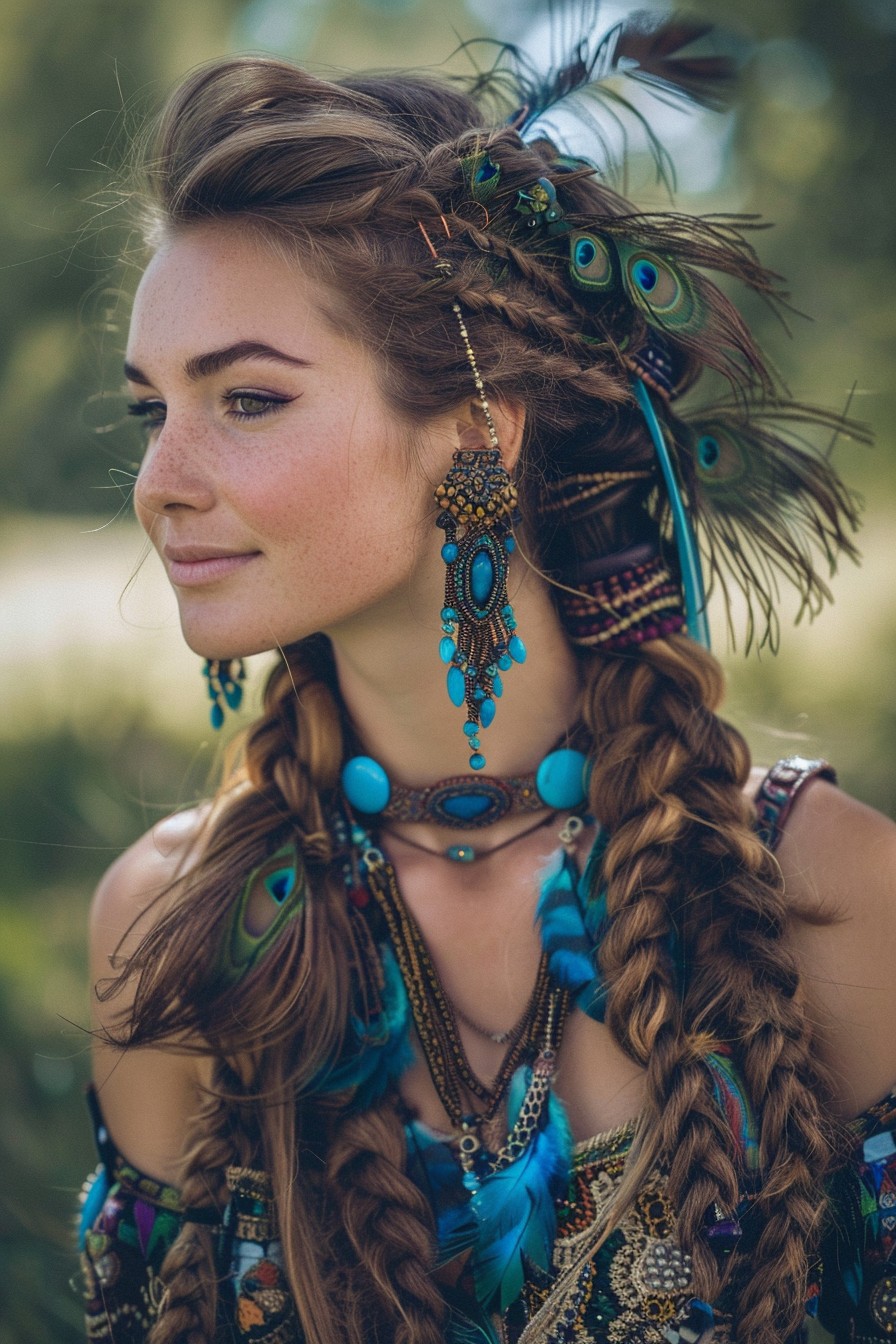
273, 895
766, 502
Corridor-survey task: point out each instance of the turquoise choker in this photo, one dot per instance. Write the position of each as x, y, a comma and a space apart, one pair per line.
465, 802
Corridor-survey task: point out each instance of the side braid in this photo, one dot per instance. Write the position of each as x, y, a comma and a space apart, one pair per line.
684, 859
383, 1240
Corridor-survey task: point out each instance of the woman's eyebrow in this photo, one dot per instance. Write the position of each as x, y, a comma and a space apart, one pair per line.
203, 366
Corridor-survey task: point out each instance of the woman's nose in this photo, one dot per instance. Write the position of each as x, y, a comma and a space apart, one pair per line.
175, 472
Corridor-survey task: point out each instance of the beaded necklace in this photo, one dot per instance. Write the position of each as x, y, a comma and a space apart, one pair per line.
436, 1020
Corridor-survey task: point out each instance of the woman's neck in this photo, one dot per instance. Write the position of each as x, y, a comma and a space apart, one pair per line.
394, 689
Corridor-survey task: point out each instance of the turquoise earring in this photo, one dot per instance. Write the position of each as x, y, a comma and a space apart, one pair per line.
225, 677
479, 639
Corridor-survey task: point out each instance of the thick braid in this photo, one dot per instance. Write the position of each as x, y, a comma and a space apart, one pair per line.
388, 1223
683, 857
188, 1272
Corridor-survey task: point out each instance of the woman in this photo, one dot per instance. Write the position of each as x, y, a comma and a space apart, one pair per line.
517, 1017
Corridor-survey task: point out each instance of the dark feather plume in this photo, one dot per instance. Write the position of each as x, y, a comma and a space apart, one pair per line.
656, 50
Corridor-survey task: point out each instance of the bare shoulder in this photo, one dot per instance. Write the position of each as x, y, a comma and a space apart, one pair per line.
132, 891
838, 860
146, 1094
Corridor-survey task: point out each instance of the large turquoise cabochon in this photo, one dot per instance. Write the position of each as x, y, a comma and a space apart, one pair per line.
560, 779
482, 578
365, 784
466, 806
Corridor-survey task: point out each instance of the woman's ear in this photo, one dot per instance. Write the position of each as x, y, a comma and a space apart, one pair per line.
509, 419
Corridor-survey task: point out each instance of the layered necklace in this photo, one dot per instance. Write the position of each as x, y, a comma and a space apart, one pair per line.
495, 1179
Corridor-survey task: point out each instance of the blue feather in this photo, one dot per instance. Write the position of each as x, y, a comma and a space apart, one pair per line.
572, 921
515, 1206
377, 1051
467, 1323
434, 1169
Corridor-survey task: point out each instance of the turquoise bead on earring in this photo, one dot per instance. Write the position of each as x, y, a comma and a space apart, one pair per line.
224, 678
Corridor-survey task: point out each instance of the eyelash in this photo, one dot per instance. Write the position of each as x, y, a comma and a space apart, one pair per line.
152, 413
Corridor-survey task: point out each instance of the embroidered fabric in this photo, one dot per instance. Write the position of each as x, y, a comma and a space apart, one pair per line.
634, 1288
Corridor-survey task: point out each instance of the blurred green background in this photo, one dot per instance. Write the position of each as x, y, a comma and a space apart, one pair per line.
104, 723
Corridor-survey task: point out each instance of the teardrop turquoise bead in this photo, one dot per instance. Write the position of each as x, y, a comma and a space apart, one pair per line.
457, 686
217, 716
365, 784
497, 686
447, 649
517, 649
233, 694
505, 662
560, 779
482, 578
487, 712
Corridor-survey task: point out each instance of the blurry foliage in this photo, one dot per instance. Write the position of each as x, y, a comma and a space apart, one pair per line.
811, 149
70, 802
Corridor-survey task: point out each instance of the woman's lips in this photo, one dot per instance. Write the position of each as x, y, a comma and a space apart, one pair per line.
190, 567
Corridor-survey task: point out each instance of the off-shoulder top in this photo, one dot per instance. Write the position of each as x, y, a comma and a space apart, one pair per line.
635, 1287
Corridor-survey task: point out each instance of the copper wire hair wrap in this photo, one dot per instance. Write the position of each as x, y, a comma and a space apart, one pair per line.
341, 172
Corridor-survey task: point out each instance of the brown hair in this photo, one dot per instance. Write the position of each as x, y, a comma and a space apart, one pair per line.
341, 173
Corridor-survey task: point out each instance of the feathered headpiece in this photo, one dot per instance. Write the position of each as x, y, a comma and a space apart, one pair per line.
736, 482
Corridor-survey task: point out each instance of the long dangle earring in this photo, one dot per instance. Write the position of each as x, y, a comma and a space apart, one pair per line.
477, 508
225, 677
478, 625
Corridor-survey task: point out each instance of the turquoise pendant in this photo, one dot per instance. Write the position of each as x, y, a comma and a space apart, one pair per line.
460, 853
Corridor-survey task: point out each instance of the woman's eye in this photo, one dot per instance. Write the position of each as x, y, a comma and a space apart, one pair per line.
254, 405
151, 414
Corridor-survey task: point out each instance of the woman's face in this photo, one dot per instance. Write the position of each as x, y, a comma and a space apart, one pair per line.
276, 486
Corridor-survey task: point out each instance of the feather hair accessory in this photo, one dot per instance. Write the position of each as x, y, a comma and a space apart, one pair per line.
766, 502
749, 494
669, 55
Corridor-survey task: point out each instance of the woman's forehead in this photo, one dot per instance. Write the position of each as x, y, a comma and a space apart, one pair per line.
213, 285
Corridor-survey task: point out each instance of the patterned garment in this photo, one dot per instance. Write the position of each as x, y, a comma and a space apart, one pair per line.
633, 1290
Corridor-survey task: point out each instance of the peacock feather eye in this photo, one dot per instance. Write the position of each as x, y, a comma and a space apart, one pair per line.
661, 290
482, 175
709, 451
721, 460
591, 261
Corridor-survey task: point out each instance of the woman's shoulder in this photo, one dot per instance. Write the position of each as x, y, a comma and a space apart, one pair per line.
147, 1094
838, 862
149, 866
